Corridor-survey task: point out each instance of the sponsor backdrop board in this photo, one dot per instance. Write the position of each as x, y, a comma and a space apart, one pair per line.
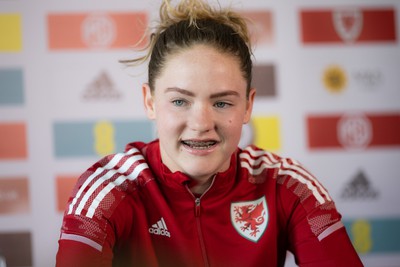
328, 80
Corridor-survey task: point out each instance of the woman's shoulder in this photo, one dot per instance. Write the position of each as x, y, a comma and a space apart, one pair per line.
286, 171
108, 181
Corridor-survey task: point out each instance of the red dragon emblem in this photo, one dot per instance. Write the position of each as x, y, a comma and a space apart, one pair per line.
250, 218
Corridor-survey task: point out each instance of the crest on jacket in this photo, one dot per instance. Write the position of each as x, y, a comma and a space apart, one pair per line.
250, 218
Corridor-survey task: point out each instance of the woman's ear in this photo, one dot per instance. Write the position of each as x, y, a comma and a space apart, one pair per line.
148, 101
249, 106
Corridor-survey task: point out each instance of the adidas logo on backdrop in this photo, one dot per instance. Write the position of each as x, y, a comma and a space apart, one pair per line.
159, 228
360, 188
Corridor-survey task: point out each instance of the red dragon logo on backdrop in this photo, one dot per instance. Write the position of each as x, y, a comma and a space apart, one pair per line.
250, 218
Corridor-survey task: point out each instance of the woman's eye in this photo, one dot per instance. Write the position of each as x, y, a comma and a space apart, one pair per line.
178, 102
221, 104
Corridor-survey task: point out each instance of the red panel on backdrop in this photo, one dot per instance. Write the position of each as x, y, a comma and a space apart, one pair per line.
97, 30
260, 26
13, 144
348, 25
353, 131
64, 184
14, 195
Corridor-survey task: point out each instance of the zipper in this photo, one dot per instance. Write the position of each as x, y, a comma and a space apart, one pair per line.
197, 213
197, 200
197, 207
200, 232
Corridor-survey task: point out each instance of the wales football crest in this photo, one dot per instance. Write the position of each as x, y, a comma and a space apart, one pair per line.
250, 218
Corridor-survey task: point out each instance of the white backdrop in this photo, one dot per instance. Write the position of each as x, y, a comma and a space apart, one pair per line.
329, 96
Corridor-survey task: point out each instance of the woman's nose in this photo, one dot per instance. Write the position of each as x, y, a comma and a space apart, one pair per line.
201, 119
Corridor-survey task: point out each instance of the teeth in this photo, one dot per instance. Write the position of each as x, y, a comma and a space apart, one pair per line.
199, 144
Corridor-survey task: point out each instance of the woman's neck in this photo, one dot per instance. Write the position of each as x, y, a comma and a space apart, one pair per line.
199, 186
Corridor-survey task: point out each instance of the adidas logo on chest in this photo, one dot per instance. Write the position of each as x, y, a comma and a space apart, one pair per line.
160, 228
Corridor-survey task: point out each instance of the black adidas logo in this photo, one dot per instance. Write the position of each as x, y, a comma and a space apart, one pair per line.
359, 188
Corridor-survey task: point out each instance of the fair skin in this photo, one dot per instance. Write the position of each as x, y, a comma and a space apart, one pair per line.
199, 104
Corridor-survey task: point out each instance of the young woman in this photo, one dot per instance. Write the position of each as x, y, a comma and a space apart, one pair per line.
192, 197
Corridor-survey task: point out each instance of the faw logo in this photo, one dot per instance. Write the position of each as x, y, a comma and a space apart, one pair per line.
98, 30
348, 23
250, 218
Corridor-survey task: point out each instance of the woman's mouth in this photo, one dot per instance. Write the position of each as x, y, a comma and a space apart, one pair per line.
200, 145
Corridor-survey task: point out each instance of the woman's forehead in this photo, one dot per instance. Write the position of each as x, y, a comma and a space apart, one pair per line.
203, 66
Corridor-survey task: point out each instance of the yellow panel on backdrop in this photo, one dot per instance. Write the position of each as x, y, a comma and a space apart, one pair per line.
10, 32
266, 132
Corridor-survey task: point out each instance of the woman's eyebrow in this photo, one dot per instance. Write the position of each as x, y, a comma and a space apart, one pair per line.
225, 93
179, 90
190, 93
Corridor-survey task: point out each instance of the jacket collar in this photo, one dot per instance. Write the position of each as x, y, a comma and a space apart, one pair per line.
178, 180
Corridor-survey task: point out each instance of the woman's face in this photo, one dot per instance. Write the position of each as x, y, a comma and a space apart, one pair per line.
199, 104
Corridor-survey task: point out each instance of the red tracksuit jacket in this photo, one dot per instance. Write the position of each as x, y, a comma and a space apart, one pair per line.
128, 209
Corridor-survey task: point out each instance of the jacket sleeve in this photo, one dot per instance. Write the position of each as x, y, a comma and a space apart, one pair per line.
98, 214
314, 230
85, 241
78, 254
92, 215
90, 242
331, 248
